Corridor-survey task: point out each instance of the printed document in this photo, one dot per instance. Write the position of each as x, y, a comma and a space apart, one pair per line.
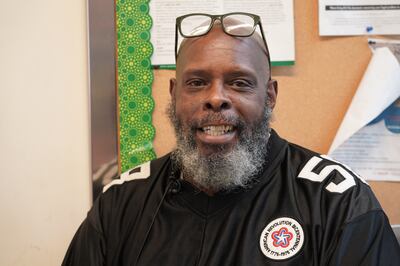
359, 17
368, 140
276, 18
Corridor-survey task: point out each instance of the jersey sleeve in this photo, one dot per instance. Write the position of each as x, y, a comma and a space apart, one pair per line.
367, 240
88, 247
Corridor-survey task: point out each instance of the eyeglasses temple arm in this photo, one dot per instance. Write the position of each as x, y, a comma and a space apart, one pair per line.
176, 41
266, 47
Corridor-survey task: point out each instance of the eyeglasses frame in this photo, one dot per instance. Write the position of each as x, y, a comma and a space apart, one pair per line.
256, 18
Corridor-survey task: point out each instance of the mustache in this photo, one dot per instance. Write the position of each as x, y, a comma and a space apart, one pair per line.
217, 117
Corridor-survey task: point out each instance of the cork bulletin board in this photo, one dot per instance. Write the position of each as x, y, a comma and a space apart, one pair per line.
313, 95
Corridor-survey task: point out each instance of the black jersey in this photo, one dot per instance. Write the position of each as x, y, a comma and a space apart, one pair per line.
304, 209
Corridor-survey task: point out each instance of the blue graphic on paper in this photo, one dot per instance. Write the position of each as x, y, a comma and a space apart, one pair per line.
391, 116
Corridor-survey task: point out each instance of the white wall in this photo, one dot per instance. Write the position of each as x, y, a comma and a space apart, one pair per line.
44, 129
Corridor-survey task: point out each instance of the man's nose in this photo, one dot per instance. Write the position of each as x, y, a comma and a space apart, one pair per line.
217, 98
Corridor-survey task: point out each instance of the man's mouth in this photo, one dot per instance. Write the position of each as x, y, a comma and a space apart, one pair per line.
216, 133
217, 130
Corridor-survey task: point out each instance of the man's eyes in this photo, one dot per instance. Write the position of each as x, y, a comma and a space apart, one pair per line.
236, 84
241, 83
194, 83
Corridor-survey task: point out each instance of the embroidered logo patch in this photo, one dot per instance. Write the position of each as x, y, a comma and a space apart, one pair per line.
282, 238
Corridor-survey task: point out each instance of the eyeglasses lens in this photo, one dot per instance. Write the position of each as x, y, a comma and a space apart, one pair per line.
238, 24
195, 25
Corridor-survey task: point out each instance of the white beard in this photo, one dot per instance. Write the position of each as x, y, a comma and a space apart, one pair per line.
224, 170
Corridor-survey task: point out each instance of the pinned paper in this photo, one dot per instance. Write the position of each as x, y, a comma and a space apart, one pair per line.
378, 89
368, 139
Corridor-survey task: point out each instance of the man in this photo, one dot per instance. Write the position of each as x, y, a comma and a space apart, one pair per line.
233, 192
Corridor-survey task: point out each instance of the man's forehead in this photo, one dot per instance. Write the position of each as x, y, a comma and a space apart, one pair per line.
216, 34
217, 39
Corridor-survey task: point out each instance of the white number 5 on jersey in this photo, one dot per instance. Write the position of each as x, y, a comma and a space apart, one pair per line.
348, 182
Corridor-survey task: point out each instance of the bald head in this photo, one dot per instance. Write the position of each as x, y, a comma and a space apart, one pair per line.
255, 41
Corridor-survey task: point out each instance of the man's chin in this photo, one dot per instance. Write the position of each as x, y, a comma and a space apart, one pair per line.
210, 151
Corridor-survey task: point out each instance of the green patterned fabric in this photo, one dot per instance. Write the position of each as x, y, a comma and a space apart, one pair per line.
135, 78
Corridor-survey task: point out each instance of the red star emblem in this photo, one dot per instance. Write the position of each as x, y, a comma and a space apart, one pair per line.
282, 237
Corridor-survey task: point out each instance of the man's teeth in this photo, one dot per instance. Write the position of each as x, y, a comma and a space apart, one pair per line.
217, 130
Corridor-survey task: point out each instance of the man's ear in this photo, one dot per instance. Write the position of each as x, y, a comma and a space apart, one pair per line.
272, 93
172, 87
